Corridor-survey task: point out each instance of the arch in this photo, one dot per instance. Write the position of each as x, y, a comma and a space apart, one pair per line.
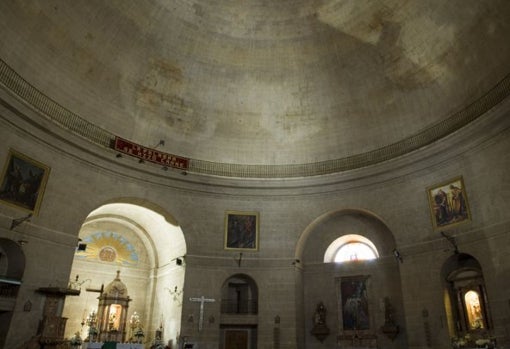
457, 263
465, 297
12, 262
142, 203
147, 217
239, 295
145, 242
379, 278
343, 241
324, 230
12, 268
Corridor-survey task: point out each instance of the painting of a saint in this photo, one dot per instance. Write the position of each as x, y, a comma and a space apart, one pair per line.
241, 230
354, 303
23, 182
448, 203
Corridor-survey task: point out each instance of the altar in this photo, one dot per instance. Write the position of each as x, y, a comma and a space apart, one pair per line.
99, 345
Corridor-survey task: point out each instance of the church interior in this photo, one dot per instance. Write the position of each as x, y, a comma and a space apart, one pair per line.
301, 174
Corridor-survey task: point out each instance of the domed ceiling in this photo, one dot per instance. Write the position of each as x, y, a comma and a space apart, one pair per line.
258, 82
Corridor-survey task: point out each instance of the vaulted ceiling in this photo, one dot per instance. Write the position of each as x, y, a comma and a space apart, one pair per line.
265, 83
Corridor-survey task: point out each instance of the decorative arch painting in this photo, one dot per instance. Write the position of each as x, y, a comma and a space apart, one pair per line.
109, 247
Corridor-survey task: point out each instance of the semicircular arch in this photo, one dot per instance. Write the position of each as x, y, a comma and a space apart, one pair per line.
144, 242
327, 228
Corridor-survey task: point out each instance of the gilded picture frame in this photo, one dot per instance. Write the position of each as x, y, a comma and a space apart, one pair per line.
23, 182
241, 230
448, 203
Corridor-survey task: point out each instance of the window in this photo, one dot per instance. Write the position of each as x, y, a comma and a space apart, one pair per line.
354, 251
350, 247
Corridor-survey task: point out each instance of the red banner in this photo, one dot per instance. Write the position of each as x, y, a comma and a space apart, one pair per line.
126, 147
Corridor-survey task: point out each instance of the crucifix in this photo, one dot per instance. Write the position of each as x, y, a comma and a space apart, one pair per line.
202, 300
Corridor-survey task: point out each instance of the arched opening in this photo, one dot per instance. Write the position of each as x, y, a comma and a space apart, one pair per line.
466, 305
350, 247
239, 295
239, 308
147, 247
12, 267
355, 277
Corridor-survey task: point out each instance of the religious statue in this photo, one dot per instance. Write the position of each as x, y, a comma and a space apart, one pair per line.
76, 341
320, 330
390, 328
320, 314
111, 322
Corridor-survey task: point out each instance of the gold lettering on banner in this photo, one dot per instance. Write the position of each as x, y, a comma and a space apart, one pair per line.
127, 147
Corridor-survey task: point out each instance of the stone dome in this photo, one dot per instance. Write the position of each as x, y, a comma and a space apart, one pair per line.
261, 88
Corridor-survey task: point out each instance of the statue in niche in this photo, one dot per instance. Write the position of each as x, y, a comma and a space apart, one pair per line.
320, 330
390, 328
320, 314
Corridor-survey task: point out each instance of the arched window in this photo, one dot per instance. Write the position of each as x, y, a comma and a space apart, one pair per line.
353, 251
350, 247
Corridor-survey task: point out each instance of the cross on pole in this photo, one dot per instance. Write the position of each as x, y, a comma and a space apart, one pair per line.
202, 300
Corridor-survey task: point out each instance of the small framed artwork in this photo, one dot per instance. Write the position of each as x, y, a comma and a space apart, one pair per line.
23, 182
241, 230
448, 203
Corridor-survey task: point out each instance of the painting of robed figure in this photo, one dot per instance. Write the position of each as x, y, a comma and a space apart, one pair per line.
354, 304
23, 182
448, 203
241, 230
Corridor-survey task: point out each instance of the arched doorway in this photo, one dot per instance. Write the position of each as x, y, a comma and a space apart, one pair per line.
12, 267
239, 309
147, 246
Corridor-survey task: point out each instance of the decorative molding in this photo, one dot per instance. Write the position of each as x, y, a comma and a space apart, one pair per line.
58, 114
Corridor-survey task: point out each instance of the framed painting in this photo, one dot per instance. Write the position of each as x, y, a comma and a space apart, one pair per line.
23, 182
448, 203
241, 230
354, 303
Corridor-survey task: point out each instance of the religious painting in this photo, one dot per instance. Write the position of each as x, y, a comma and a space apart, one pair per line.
474, 309
23, 182
241, 230
354, 303
448, 203
110, 247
